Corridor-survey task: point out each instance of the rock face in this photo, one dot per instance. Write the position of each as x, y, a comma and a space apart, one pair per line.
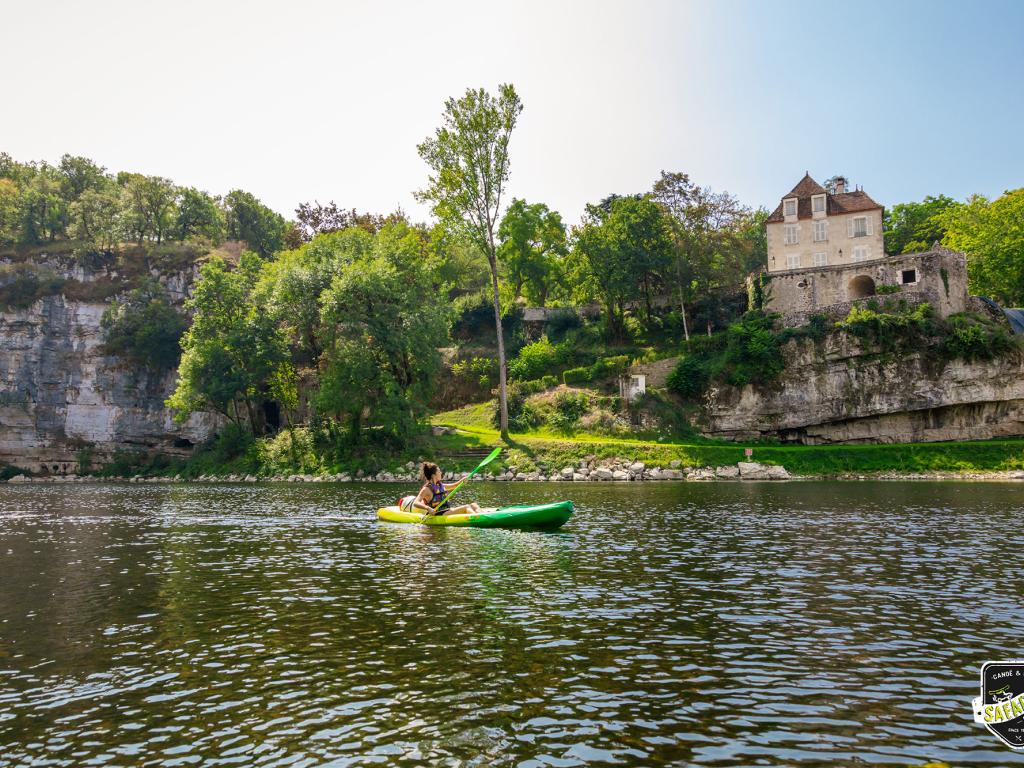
59, 393
839, 393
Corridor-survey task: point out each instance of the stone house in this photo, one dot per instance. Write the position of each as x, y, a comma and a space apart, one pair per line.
826, 254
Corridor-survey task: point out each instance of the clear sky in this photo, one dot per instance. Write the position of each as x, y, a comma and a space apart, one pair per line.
303, 99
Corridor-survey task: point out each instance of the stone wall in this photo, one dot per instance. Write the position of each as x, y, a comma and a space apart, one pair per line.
840, 393
59, 392
941, 280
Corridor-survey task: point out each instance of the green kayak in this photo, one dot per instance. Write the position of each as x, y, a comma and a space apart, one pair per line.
536, 517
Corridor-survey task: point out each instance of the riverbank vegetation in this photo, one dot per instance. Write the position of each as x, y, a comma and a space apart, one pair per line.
337, 337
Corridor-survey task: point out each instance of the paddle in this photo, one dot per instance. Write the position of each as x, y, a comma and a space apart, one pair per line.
493, 455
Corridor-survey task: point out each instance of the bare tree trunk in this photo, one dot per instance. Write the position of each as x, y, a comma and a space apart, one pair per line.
502, 369
682, 305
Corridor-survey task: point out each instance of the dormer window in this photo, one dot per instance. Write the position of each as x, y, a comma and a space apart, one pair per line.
818, 204
789, 206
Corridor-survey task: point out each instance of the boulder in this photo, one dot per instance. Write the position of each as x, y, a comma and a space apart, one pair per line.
637, 466
727, 472
619, 474
777, 473
601, 473
672, 474
579, 476
566, 472
751, 470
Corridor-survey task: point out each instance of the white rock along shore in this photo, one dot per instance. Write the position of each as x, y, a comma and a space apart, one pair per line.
607, 470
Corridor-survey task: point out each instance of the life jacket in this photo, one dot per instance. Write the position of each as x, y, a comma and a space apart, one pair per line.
438, 491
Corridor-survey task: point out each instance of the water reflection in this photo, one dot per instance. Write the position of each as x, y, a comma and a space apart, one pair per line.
720, 624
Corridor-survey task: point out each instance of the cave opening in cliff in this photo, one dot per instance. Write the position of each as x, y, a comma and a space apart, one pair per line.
272, 415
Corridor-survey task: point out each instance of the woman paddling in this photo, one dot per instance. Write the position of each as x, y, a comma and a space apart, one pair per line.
433, 492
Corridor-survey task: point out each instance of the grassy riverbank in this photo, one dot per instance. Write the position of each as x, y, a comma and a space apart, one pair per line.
473, 426
470, 435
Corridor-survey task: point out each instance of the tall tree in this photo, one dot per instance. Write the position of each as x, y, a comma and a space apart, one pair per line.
234, 354
992, 236
80, 174
628, 248
469, 163
714, 242
95, 218
913, 227
199, 216
250, 221
532, 242
382, 329
150, 206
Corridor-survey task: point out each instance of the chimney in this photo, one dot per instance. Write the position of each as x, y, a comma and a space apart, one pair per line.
840, 185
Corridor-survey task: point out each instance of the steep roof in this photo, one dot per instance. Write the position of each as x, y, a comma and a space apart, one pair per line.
845, 202
806, 187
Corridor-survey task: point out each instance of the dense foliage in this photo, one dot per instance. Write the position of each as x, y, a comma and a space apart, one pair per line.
79, 200
144, 328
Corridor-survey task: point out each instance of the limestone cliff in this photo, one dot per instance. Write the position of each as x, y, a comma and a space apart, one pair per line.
60, 393
838, 391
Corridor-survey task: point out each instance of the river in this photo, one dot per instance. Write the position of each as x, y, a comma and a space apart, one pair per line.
668, 623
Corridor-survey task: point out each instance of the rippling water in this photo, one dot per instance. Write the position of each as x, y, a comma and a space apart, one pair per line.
720, 624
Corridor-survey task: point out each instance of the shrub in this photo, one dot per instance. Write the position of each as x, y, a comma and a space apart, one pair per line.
690, 378
481, 370
890, 329
563, 321
522, 415
569, 409
290, 450
752, 353
606, 367
534, 360
576, 376
971, 338
145, 328
22, 285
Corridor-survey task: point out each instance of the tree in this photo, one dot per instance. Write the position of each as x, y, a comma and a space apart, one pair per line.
532, 242
44, 211
316, 219
95, 218
234, 354
9, 209
199, 216
80, 174
144, 328
992, 236
627, 247
382, 325
913, 227
716, 242
291, 285
250, 221
469, 163
149, 206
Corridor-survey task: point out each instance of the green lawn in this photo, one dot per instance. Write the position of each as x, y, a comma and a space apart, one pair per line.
556, 450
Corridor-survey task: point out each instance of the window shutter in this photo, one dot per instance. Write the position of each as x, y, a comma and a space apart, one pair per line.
868, 219
849, 227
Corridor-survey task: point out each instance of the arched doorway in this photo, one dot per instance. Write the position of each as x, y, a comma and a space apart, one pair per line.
861, 287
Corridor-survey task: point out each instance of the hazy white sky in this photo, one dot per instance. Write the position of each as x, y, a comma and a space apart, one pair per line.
306, 100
